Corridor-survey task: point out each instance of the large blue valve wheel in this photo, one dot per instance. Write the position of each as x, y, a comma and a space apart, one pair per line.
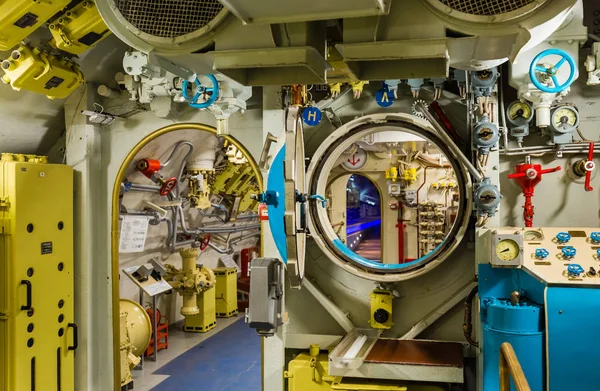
536, 67
201, 90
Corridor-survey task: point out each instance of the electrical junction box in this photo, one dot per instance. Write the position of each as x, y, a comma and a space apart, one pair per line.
36, 71
381, 309
38, 335
19, 18
78, 29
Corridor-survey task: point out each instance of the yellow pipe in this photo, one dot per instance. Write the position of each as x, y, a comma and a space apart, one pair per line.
115, 223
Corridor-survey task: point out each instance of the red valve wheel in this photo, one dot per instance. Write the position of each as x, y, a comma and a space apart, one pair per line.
205, 241
168, 186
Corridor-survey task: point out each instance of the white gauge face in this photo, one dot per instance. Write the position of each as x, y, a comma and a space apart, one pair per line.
565, 118
532, 235
507, 250
520, 110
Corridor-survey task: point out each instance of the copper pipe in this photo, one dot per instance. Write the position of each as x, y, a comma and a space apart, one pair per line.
298, 94
510, 366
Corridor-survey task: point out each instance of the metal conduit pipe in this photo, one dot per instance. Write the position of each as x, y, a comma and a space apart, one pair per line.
227, 250
219, 229
148, 188
176, 147
244, 237
420, 106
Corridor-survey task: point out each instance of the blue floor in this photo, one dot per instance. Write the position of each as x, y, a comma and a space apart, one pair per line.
227, 361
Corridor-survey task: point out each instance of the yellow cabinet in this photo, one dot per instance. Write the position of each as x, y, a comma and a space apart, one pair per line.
78, 29
37, 71
38, 335
19, 18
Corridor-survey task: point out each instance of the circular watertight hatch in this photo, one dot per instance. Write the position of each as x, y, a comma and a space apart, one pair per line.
487, 7
169, 18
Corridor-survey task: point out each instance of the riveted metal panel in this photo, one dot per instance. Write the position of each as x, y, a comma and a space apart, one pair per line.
36, 268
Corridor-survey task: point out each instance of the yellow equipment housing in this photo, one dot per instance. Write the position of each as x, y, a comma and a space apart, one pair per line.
309, 372
206, 319
226, 297
36, 71
381, 309
78, 29
19, 18
38, 335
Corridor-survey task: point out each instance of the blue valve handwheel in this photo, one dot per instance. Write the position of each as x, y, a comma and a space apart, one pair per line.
563, 237
552, 71
569, 252
199, 90
598, 253
541, 253
595, 237
575, 270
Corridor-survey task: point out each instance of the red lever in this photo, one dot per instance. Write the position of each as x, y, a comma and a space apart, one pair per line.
528, 176
589, 167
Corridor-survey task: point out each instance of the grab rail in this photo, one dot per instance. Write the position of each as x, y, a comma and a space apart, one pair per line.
510, 367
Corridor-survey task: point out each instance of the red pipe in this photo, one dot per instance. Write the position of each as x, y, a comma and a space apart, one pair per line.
400, 227
418, 226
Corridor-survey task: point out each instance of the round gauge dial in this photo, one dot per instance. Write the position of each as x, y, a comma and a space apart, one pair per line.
532, 235
520, 110
507, 250
565, 119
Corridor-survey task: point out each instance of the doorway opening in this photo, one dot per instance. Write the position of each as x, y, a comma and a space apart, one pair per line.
363, 217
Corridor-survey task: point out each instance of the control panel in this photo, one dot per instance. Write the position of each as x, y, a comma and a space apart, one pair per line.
553, 255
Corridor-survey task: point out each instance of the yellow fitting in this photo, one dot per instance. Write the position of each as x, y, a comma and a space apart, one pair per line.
357, 88
335, 89
314, 350
392, 174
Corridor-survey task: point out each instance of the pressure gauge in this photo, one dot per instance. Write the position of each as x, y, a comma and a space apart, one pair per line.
564, 119
507, 250
520, 113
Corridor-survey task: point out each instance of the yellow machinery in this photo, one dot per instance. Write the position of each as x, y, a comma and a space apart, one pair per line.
19, 18
136, 332
206, 319
33, 70
190, 280
381, 309
78, 29
226, 304
309, 372
38, 335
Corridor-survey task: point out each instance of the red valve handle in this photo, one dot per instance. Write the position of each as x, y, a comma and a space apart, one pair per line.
168, 186
589, 167
205, 241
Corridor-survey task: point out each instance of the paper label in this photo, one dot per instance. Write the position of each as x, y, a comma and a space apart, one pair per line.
133, 234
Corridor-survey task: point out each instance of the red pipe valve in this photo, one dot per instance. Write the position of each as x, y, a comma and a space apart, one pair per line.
150, 168
528, 176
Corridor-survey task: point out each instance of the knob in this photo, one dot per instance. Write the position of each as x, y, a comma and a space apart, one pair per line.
574, 270
568, 252
381, 316
598, 253
541, 253
563, 237
595, 237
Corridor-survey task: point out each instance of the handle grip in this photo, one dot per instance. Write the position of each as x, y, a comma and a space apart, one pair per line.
27, 306
75, 337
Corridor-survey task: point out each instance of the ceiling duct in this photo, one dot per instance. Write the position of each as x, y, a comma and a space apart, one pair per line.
272, 11
424, 38
202, 36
